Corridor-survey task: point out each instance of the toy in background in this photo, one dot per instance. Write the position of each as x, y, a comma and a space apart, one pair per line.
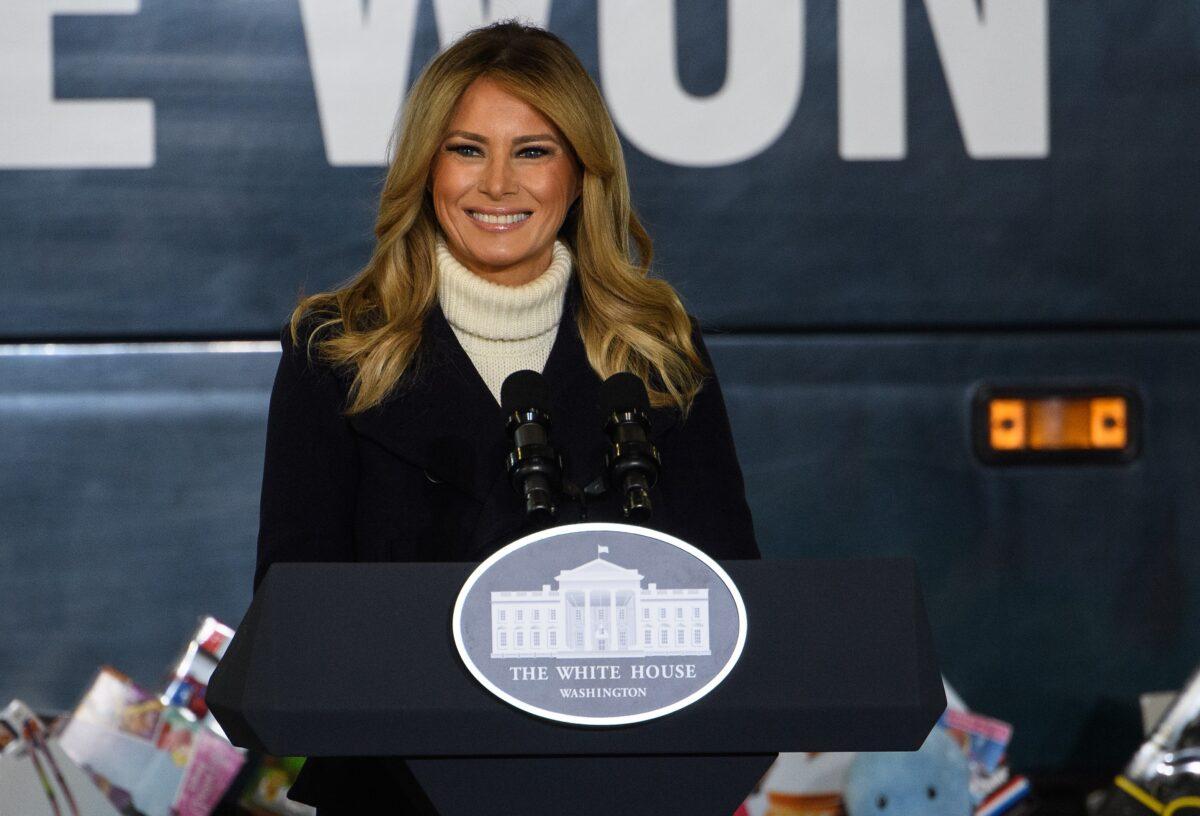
814, 784
984, 741
36, 776
193, 670
125, 750
801, 784
266, 791
963, 749
160, 758
1163, 778
163, 753
932, 781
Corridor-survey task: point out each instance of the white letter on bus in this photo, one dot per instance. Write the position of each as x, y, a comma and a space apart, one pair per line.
39, 131
996, 65
764, 76
359, 59
871, 110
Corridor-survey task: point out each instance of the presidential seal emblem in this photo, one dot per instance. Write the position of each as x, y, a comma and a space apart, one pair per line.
599, 624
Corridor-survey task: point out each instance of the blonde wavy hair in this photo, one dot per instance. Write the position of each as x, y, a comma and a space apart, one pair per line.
628, 321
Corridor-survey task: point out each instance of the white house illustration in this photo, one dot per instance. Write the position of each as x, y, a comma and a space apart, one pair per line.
600, 609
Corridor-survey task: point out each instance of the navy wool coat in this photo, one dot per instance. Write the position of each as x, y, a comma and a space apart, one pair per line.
421, 477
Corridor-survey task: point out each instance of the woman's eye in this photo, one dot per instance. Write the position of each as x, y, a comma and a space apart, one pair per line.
533, 152
464, 150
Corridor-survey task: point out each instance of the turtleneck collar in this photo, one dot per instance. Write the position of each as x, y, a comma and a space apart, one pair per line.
495, 312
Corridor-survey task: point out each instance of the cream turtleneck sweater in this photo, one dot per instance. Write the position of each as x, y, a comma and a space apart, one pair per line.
503, 328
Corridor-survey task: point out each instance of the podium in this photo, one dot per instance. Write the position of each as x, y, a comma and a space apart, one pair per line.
358, 660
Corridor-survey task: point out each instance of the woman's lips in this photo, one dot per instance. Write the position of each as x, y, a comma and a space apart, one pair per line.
498, 222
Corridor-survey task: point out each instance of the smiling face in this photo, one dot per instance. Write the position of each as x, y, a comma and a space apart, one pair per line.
502, 183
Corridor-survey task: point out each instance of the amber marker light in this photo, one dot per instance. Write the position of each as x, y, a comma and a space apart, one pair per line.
1110, 423
1042, 424
1006, 423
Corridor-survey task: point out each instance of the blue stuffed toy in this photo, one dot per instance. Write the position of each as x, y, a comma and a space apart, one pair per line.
932, 781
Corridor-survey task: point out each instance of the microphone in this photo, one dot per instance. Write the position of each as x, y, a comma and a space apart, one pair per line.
534, 469
633, 461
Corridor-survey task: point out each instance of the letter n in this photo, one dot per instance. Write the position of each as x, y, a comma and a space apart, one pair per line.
995, 57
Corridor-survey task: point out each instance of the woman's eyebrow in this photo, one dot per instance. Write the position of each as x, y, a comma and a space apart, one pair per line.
466, 134
539, 137
536, 137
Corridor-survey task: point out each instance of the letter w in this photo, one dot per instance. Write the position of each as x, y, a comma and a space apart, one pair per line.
359, 54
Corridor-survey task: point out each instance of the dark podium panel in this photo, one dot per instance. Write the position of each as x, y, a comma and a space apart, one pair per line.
358, 660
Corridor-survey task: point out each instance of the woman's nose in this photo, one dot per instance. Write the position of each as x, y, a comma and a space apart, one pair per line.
499, 178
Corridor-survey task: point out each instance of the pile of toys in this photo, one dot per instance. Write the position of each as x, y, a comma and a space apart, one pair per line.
126, 750
961, 768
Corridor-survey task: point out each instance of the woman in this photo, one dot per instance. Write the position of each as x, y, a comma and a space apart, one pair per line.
505, 241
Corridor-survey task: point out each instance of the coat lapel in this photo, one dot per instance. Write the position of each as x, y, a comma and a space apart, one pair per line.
445, 421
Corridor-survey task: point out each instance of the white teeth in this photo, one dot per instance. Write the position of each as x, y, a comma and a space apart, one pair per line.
498, 219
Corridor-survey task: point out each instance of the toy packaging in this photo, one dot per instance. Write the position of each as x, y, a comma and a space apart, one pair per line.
266, 791
983, 738
985, 741
36, 775
164, 753
189, 678
110, 733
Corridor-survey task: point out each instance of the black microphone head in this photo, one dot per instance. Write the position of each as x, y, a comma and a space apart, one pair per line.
524, 389
623, 391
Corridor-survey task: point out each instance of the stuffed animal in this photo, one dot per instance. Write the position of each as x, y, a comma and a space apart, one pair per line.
933, 781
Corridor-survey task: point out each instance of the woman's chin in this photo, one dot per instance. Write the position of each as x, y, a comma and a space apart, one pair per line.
495, 257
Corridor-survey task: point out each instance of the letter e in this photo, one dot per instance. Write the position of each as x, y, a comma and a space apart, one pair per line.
38, 131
